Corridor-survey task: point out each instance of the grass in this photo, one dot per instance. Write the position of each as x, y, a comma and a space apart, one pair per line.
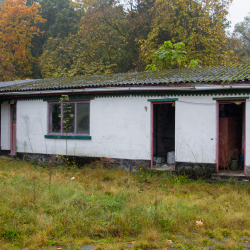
109, 207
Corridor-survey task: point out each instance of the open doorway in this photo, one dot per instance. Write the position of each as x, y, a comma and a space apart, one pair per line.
163, 136
231, 136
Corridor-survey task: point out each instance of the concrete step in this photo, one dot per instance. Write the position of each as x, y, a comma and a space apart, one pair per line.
230, 175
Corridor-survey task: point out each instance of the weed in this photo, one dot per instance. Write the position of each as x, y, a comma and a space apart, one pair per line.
108, 178
10, 234
44, 207
210, 233
181, 179
52, 242
225, 232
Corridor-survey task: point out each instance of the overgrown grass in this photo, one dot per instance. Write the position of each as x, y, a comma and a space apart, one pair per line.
109, 207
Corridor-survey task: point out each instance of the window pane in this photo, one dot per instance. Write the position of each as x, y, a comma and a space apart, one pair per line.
54, 119
82, 118
68, 118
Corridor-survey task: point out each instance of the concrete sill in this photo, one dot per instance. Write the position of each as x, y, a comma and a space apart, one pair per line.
70, 137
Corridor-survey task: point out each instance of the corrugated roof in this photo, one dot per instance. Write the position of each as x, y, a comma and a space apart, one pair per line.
228, 74
11, 83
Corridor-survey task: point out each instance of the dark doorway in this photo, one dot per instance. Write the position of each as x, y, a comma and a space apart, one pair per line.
231, 136
163, 133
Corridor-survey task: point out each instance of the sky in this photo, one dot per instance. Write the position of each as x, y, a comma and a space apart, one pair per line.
237, 11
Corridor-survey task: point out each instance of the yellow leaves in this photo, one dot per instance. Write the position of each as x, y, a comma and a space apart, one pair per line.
17, 31
199, 223
198, 24
6, 68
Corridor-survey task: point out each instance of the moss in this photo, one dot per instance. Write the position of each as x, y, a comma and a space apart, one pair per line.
175, 76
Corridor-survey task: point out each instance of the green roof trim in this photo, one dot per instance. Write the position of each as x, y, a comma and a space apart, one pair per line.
70, 137
230, 98
173, 77
163, 100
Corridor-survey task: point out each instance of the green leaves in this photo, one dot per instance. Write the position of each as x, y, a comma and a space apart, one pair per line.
170, 56
239, 42
68, 114
200, 25
194, 64
101, 37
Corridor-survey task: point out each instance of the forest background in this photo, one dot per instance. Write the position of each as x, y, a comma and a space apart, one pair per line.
60, 38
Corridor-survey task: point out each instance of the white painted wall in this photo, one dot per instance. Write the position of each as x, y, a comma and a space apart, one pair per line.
120, 128
195, 129
31, 126
5, 126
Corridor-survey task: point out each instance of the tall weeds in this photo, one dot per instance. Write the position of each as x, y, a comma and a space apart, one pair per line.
102, 204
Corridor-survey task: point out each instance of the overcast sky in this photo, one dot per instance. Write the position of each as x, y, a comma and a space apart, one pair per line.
237, 11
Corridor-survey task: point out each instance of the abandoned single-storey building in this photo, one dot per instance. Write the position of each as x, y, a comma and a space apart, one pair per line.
181, 117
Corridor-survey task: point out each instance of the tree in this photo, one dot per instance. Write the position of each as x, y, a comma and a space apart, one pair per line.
18, 25
240, 40
82, 5
1, 2
6, 69
170, 56
200, 25
67, 119
139, 20
61, 20
67, 57
103, 31
110, 39
100, 46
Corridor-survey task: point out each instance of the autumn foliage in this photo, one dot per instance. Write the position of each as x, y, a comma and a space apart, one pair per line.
6, 69
60, 38
18, 26
200, 25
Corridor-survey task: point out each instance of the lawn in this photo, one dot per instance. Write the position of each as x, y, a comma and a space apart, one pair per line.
44, 207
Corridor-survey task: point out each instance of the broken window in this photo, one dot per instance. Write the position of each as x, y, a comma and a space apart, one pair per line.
70, 117
54, 119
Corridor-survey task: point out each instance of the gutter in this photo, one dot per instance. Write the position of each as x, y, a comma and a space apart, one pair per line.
128, 89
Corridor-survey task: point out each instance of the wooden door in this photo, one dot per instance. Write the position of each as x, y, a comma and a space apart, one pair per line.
13, 129
229, 140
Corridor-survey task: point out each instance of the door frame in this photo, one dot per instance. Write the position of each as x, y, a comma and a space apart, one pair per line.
217, 129
152, 124
12, 147
0, 127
